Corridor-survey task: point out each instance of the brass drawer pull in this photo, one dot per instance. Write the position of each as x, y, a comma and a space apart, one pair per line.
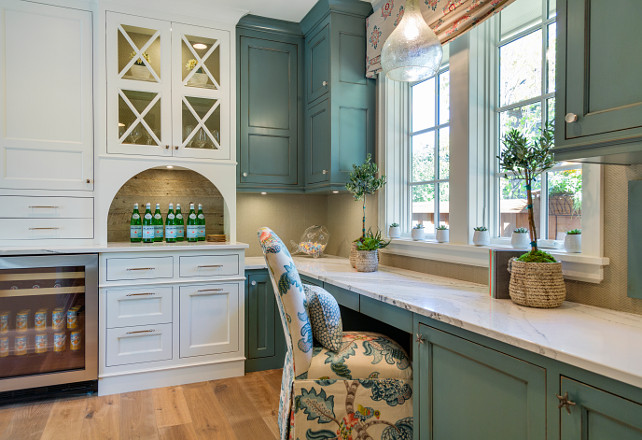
141, 268
206, 266
43, 207
141, 294
43, 229
138, 332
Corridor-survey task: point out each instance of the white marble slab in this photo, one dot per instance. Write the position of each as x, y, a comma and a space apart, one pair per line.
596, 339
121, 247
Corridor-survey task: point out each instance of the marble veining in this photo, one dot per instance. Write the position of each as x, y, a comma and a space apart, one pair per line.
604, 341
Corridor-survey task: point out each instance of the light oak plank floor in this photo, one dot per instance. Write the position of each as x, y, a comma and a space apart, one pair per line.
240, 408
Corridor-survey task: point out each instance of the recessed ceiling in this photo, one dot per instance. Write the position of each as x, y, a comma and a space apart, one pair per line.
290, 10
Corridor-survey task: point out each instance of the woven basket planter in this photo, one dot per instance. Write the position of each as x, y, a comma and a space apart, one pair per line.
353, 254
536, 284
367, 261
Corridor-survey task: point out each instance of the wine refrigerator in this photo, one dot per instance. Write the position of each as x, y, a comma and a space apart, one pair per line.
48, 320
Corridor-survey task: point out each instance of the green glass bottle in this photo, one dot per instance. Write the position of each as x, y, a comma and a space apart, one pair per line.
192, 224
158, 224
135, 226
180, 224
148, 225
170, 225
201, 223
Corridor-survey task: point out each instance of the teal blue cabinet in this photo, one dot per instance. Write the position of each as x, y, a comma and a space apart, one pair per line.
599, 98
318, 138
317, 55
270, 111
596, 414
264, 337
464, 390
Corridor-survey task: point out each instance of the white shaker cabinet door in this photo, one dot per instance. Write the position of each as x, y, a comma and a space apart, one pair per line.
46, 136
209, 319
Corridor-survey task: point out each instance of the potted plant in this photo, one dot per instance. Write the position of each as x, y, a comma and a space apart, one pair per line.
536, 277
139, 70
481, 236
442, 234
520, 238
199, 78
573, 241
368, 251
394, 231
363, 181
418, 232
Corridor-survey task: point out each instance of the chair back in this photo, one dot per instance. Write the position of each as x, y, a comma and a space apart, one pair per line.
290, 299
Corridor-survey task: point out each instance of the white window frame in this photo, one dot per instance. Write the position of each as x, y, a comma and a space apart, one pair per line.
473, 139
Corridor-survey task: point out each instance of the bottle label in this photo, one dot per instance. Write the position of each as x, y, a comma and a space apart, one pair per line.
170, 216
170, 231
148, 216
148, 231
201, 231
192, 231
158, 231
192, 216
180, 231
157, 216
135, 216
179, 216
201, 216
136, 231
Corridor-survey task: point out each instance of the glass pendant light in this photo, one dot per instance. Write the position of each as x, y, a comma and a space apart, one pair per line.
412, 52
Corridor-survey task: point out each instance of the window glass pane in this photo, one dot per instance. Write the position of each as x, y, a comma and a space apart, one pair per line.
527, 119
550, 56
444, 153
513, 205
423, 157
444, 205
423, 105
423, 206
520, 69
550, 115
520, 15
552, 8
564, 202
444, 97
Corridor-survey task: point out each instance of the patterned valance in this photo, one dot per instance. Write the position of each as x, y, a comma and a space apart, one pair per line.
448, 18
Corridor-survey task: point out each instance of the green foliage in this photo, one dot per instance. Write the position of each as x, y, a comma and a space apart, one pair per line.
574, 232
537, 257
418, 226
521, 231
480, 228
371, 241
442, 228
363, 179
394, 225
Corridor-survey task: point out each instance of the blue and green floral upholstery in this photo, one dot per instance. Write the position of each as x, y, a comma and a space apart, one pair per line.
325, 317
363, 391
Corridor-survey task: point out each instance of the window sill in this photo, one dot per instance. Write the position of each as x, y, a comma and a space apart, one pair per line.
577, 267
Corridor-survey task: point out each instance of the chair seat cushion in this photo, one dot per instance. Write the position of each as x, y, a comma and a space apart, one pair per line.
363, 355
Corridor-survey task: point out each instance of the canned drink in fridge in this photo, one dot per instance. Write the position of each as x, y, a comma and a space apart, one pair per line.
72, 318
74, 341
59, 342
4, 346
4, 322
58, 318
21, 345
40, 319
22, 320
41, 343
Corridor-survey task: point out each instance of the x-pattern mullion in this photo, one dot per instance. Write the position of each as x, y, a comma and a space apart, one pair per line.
201, 122
139, 53
140, 117
200, 63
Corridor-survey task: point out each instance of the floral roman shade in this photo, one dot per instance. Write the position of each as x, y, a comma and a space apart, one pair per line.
448, 18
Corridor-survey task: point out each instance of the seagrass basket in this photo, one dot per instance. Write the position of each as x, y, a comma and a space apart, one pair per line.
367, 261
353, 254
536, 284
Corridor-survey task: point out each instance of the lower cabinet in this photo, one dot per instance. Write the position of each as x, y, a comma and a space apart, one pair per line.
264, 337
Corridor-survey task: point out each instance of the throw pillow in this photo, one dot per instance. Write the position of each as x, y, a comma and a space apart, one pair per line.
325, 317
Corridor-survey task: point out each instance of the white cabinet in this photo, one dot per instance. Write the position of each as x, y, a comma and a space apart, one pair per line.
168, 87
46, 135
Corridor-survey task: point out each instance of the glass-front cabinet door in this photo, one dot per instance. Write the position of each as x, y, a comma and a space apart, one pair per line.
200, 91
139, 84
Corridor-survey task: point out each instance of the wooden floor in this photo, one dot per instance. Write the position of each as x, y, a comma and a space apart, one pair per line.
241, 408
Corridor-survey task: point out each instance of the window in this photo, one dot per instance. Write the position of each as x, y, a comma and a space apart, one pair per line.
430, 152
526, 73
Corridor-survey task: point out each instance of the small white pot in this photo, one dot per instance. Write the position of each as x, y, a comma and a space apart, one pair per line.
394, 232
573, 243
418, 234
520, 240
481, 238
442, 235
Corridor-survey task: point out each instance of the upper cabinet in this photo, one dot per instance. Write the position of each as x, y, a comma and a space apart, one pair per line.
599, 98
168, 87
46, 136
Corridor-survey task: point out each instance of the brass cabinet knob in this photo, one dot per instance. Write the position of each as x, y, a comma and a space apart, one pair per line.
324, 172
420, 338
176, 147
325, 84
244, 174
167, 147
565, 402
570, 118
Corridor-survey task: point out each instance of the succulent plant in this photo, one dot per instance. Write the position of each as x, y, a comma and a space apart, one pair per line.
480, 228
574, 232
442, 228
394, 225
418, 226
521, 231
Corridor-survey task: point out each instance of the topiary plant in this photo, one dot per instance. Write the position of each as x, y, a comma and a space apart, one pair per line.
363, 180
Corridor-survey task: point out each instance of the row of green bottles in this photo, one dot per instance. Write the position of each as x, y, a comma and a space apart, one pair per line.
152, 229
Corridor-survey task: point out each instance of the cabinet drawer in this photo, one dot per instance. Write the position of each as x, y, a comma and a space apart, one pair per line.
132, 345
46, 228
46, 207
139, 268
394, 316
208, 266
140, 306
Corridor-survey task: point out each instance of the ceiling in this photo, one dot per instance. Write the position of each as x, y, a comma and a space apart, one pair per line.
290, 10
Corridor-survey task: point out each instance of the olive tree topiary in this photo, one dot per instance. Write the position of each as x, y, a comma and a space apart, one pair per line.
363, 180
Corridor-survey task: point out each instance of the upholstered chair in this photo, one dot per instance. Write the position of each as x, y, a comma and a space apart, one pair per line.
361, 389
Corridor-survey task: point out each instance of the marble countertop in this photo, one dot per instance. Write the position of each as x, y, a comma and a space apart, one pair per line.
600, 340
120, 247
